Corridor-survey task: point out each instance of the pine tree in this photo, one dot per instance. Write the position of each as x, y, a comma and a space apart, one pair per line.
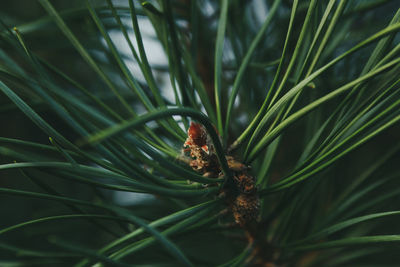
199, 133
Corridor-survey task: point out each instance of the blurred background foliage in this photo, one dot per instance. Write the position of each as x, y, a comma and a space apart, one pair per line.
362, 182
